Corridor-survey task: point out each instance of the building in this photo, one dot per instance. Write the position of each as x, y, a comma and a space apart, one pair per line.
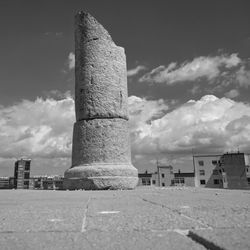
48, 182
6, 182
183, 179
204, 166
144, 179
53, 183
165, 177
247, 162
22, 173
220, 171
155, 179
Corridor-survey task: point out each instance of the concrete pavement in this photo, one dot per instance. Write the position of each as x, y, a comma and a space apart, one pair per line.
144, 218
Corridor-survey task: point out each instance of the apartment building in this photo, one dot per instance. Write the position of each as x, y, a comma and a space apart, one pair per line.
165, 175
220, 171
22, 173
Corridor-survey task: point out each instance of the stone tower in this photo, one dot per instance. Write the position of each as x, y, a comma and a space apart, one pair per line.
101, 157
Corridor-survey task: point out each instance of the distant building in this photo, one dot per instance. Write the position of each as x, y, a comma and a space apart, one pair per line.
31, 183
6, 182
247, 161
48, 182
155, 179
144, 179
248, 174
165, 177
183, 179
22, 173
220, 171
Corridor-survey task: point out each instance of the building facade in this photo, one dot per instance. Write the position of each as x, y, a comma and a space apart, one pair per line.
183, 179
6, 182
220, 171
144, 179
165, 177
48, 182
22, 173
247, 162
206, 171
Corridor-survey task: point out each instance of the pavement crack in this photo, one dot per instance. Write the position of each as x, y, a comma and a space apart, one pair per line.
204, 242
179, 213
84, 219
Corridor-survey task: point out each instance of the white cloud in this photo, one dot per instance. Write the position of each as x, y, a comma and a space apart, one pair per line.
136, 70
243, 77
207, 67
57, 94
232, 93
42, 128
195, 89
207, 125
71, 61
142, 112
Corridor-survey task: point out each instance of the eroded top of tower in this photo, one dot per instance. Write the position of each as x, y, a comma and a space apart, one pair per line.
90, 28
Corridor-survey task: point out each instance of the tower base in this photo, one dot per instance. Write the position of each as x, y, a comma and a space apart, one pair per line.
101, 177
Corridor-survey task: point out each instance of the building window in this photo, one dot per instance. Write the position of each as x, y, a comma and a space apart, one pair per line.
178, 181
202, 172
203, 182
248, 181
27, 166
153, 181
201, 163
215, 172
216, 181
26, 183
162, 175
163, 184
145, 182
214, 162
26, 175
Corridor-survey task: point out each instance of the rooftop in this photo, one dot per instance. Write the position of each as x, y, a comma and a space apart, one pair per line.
144, 218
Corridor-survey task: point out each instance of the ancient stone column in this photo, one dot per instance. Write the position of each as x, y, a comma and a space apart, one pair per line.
101, 157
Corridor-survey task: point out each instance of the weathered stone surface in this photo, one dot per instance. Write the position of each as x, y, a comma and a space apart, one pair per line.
101, 141
144, 218
102, 182
101, 157
101, 74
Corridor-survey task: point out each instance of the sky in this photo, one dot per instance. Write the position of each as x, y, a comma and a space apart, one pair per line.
188, 67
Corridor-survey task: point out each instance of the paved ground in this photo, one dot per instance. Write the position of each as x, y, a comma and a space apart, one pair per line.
145, 218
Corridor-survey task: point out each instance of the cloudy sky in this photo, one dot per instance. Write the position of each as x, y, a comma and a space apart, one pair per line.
188, 78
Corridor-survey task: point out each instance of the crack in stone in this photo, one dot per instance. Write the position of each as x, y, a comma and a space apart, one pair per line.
84, 219
179, 213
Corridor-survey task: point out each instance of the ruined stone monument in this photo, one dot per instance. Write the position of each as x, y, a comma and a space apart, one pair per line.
101, 157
